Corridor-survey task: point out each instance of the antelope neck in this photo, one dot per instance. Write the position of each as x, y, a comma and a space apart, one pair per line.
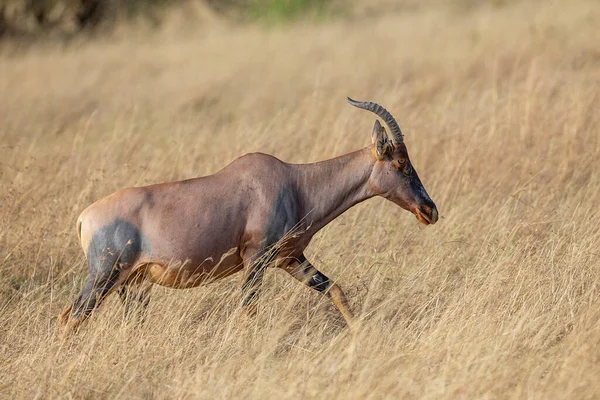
328, 188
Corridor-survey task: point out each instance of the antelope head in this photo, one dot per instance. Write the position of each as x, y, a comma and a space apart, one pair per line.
394, 176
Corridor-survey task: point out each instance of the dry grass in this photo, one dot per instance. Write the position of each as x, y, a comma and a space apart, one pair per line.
500, 108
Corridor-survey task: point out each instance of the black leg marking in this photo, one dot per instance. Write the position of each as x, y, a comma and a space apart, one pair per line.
314, 278
319, 282
252, 286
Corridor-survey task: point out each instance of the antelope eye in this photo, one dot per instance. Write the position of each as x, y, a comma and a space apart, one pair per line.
400, 163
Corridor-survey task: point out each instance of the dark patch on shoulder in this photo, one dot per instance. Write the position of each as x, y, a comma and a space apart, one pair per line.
118, 242
283, 216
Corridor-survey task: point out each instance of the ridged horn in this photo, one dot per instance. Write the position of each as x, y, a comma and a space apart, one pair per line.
384, 114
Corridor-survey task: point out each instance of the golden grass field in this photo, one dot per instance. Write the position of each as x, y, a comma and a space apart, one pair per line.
500, 107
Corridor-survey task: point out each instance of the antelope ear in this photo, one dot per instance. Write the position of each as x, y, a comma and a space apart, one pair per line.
380, 138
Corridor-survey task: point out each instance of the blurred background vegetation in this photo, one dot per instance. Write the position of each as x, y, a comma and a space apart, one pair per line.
35, 17
43, 18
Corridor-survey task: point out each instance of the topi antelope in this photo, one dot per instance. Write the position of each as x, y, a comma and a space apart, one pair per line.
256, 212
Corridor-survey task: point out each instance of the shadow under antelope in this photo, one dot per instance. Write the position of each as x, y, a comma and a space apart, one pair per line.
256, 212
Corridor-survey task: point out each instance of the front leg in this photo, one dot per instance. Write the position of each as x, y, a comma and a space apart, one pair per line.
306, 273
255, 266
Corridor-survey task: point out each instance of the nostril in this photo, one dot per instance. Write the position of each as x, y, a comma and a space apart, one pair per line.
434, 215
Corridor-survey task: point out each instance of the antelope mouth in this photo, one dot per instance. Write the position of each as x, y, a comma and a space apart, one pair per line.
426, 216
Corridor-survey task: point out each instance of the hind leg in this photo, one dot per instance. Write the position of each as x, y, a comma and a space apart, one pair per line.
112, 252
97, 286
135, 296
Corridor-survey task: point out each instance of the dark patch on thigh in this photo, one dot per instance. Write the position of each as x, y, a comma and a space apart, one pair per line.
282, 218
118, 242
113, 248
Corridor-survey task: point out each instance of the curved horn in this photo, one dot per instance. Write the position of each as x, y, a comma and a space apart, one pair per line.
384, 114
